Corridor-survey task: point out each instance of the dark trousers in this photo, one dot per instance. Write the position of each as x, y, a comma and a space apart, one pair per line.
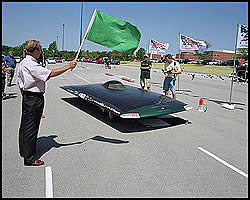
32, 109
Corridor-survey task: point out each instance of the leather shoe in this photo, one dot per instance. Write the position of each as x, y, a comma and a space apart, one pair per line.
35, 163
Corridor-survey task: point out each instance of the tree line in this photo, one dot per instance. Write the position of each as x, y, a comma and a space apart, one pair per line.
53, 51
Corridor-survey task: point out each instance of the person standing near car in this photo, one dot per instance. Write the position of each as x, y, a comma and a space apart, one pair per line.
10, 66
171, 69
31, 79
146, 66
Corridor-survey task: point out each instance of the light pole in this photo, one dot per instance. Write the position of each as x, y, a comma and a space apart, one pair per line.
63, 41
81, 27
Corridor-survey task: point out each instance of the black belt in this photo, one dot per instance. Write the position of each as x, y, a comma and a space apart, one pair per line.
33, 93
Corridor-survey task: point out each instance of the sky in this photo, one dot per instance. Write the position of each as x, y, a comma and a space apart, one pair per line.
214, 22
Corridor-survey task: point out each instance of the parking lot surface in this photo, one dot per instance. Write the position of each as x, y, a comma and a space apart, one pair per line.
91, 156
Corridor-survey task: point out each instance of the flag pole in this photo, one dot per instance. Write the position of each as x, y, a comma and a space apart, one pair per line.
179, 62
178, 76
150, 49
234, 64
86, 33
230, 105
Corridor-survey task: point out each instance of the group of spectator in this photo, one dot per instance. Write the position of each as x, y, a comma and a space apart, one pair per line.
171, 69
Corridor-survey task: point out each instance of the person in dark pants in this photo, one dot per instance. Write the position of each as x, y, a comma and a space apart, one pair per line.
3, 78
10, 65
146, 66
31, 78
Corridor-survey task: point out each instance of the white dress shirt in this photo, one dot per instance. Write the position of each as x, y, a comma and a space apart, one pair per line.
31, 76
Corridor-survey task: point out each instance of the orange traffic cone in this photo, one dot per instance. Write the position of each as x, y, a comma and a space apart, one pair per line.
202, 106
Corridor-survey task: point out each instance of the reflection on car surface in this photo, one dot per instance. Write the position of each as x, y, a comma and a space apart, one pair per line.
115, 62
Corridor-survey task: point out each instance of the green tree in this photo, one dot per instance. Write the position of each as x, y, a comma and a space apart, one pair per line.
202, 53
5, 50
18, 50
242, 54
140, 53
52, 50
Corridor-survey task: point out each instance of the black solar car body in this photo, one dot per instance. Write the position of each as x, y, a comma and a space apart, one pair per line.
127, 101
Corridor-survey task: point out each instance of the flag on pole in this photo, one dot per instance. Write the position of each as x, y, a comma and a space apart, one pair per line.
114, 33
156, 47
242, 38
187, 43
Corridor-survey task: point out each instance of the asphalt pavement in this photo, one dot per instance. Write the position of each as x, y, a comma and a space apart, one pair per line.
198, 154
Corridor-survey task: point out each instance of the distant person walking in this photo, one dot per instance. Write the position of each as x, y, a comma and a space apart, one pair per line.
10, 66
31, 78
171, 69
3, 78
146, 66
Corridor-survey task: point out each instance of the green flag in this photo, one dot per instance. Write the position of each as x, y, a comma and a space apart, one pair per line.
114, 33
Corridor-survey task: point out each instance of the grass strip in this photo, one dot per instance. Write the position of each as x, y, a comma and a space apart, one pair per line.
194, 68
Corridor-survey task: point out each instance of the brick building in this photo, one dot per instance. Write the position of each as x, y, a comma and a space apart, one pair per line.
222, 55
187, 55
157, 56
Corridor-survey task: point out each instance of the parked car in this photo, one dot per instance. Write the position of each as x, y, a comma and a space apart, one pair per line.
115, 62
58, 60
184, 61
231, 62
223, 63
205, 62
212, 62
93, 60
192, 62
18, 59
199, 62
87, 60
51, 61
242, 71
153, 60
70, 59
99, 61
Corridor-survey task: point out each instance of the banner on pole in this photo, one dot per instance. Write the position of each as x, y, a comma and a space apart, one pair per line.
156, 47
188, 43
242, 38
114, 33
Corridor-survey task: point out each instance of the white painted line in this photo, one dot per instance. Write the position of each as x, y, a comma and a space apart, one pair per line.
82, 78
223, 162
48, 182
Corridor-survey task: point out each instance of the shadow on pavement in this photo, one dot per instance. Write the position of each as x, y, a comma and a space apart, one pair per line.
46, 143
122, 125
